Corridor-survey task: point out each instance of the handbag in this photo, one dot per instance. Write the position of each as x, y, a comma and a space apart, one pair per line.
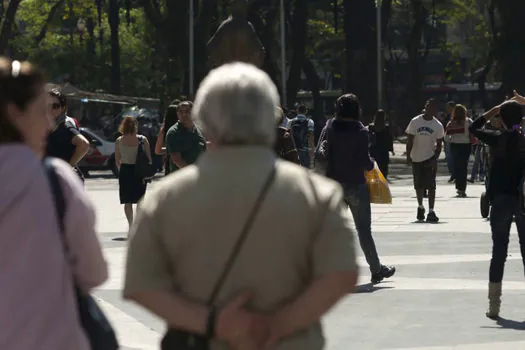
97, 328
378, 187
182, 340
143, 167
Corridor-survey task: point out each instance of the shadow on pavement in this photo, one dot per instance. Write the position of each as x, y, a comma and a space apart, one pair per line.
511, 324
429, 223
370, 288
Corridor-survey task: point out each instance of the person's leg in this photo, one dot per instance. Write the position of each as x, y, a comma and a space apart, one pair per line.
420, 190
461, 158
476, 167
449, 160
430, 184
359, 202
304, 158
128, 210
500, 221
520, 224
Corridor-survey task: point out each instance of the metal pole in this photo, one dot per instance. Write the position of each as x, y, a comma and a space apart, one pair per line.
379, 56
192, 49
283, 56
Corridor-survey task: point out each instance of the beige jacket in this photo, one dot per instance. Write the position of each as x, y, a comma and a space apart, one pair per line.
188, 223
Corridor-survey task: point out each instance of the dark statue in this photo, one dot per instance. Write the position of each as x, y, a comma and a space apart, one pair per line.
235, 39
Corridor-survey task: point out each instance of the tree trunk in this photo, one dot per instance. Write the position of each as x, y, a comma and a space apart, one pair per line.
414, 94
511, 45
298, 45
114, 22
361, 55
7, 25
313, 82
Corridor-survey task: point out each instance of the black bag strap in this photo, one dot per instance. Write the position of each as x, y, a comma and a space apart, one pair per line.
58, 195
242, 237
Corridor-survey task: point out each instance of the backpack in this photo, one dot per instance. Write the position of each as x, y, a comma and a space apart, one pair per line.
143, 168
299, 128
96, 326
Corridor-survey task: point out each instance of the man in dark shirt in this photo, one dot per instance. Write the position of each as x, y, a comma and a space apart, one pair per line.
345, 146
506, 170
184, 142
65, 141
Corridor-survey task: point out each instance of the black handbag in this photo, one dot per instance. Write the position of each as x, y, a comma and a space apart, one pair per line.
97, 328
143, 167
181, 340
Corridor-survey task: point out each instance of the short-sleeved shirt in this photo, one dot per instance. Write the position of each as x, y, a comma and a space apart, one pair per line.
60, 141
298, 235
426, 134
189, 143
311, 125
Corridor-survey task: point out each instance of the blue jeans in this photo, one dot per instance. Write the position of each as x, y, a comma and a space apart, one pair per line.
449, 159
503, 209
304, 157
358, 199
479, 163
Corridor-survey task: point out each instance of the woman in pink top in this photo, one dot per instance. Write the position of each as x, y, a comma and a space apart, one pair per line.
37, 303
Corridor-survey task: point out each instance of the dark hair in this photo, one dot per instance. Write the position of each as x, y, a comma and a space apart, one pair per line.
128, 125
451, 104
301, 109
380, 113
511, 113
185, 104
19, 85
348, 106
57, 93
171, 117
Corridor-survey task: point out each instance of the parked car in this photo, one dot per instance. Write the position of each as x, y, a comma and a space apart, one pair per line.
101, 154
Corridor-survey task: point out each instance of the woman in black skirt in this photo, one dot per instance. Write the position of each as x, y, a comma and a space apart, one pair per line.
131, 186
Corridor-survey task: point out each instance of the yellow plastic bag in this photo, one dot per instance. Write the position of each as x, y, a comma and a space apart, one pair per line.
378, 187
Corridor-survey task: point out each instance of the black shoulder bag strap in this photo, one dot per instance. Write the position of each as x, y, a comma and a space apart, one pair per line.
98, 330
242, 237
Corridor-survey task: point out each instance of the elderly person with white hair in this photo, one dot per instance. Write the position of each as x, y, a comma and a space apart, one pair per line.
241, 250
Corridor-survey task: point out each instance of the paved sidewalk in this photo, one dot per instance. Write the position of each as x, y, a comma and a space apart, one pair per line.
436, 301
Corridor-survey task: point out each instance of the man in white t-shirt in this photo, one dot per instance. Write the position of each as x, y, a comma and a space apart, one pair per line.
425, 138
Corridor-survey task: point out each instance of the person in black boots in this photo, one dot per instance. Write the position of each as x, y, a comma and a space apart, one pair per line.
507, 147
345, 147
382, 141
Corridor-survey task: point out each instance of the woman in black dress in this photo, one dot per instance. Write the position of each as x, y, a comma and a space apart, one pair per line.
382, 141
131, 186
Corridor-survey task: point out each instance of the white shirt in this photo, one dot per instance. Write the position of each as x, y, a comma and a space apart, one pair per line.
426, 133
463, 137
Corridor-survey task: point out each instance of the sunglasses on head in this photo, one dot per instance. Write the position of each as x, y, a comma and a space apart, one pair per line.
55, 105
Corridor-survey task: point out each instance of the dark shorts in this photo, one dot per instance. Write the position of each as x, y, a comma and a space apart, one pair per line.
424, 175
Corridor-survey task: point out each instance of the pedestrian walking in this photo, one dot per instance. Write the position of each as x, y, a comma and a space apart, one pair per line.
184, 141
345, 147
258, 248
132, 186
457, 132
37, 300
505, 188
65, 140
425, 138
382, 141
449, 158
170, 118
302, 129
284, 145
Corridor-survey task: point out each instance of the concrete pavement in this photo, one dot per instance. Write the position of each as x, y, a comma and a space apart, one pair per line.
436, 301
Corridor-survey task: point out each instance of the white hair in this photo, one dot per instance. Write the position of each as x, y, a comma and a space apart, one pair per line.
237, 104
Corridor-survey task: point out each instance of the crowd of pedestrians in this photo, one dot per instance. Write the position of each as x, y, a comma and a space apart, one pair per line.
245, 167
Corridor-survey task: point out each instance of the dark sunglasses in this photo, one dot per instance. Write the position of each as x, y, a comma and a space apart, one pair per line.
55, 105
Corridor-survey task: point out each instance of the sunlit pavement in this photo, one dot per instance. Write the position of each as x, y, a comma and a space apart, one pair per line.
436, 300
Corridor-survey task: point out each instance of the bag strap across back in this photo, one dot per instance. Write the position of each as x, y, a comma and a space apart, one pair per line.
242, 237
